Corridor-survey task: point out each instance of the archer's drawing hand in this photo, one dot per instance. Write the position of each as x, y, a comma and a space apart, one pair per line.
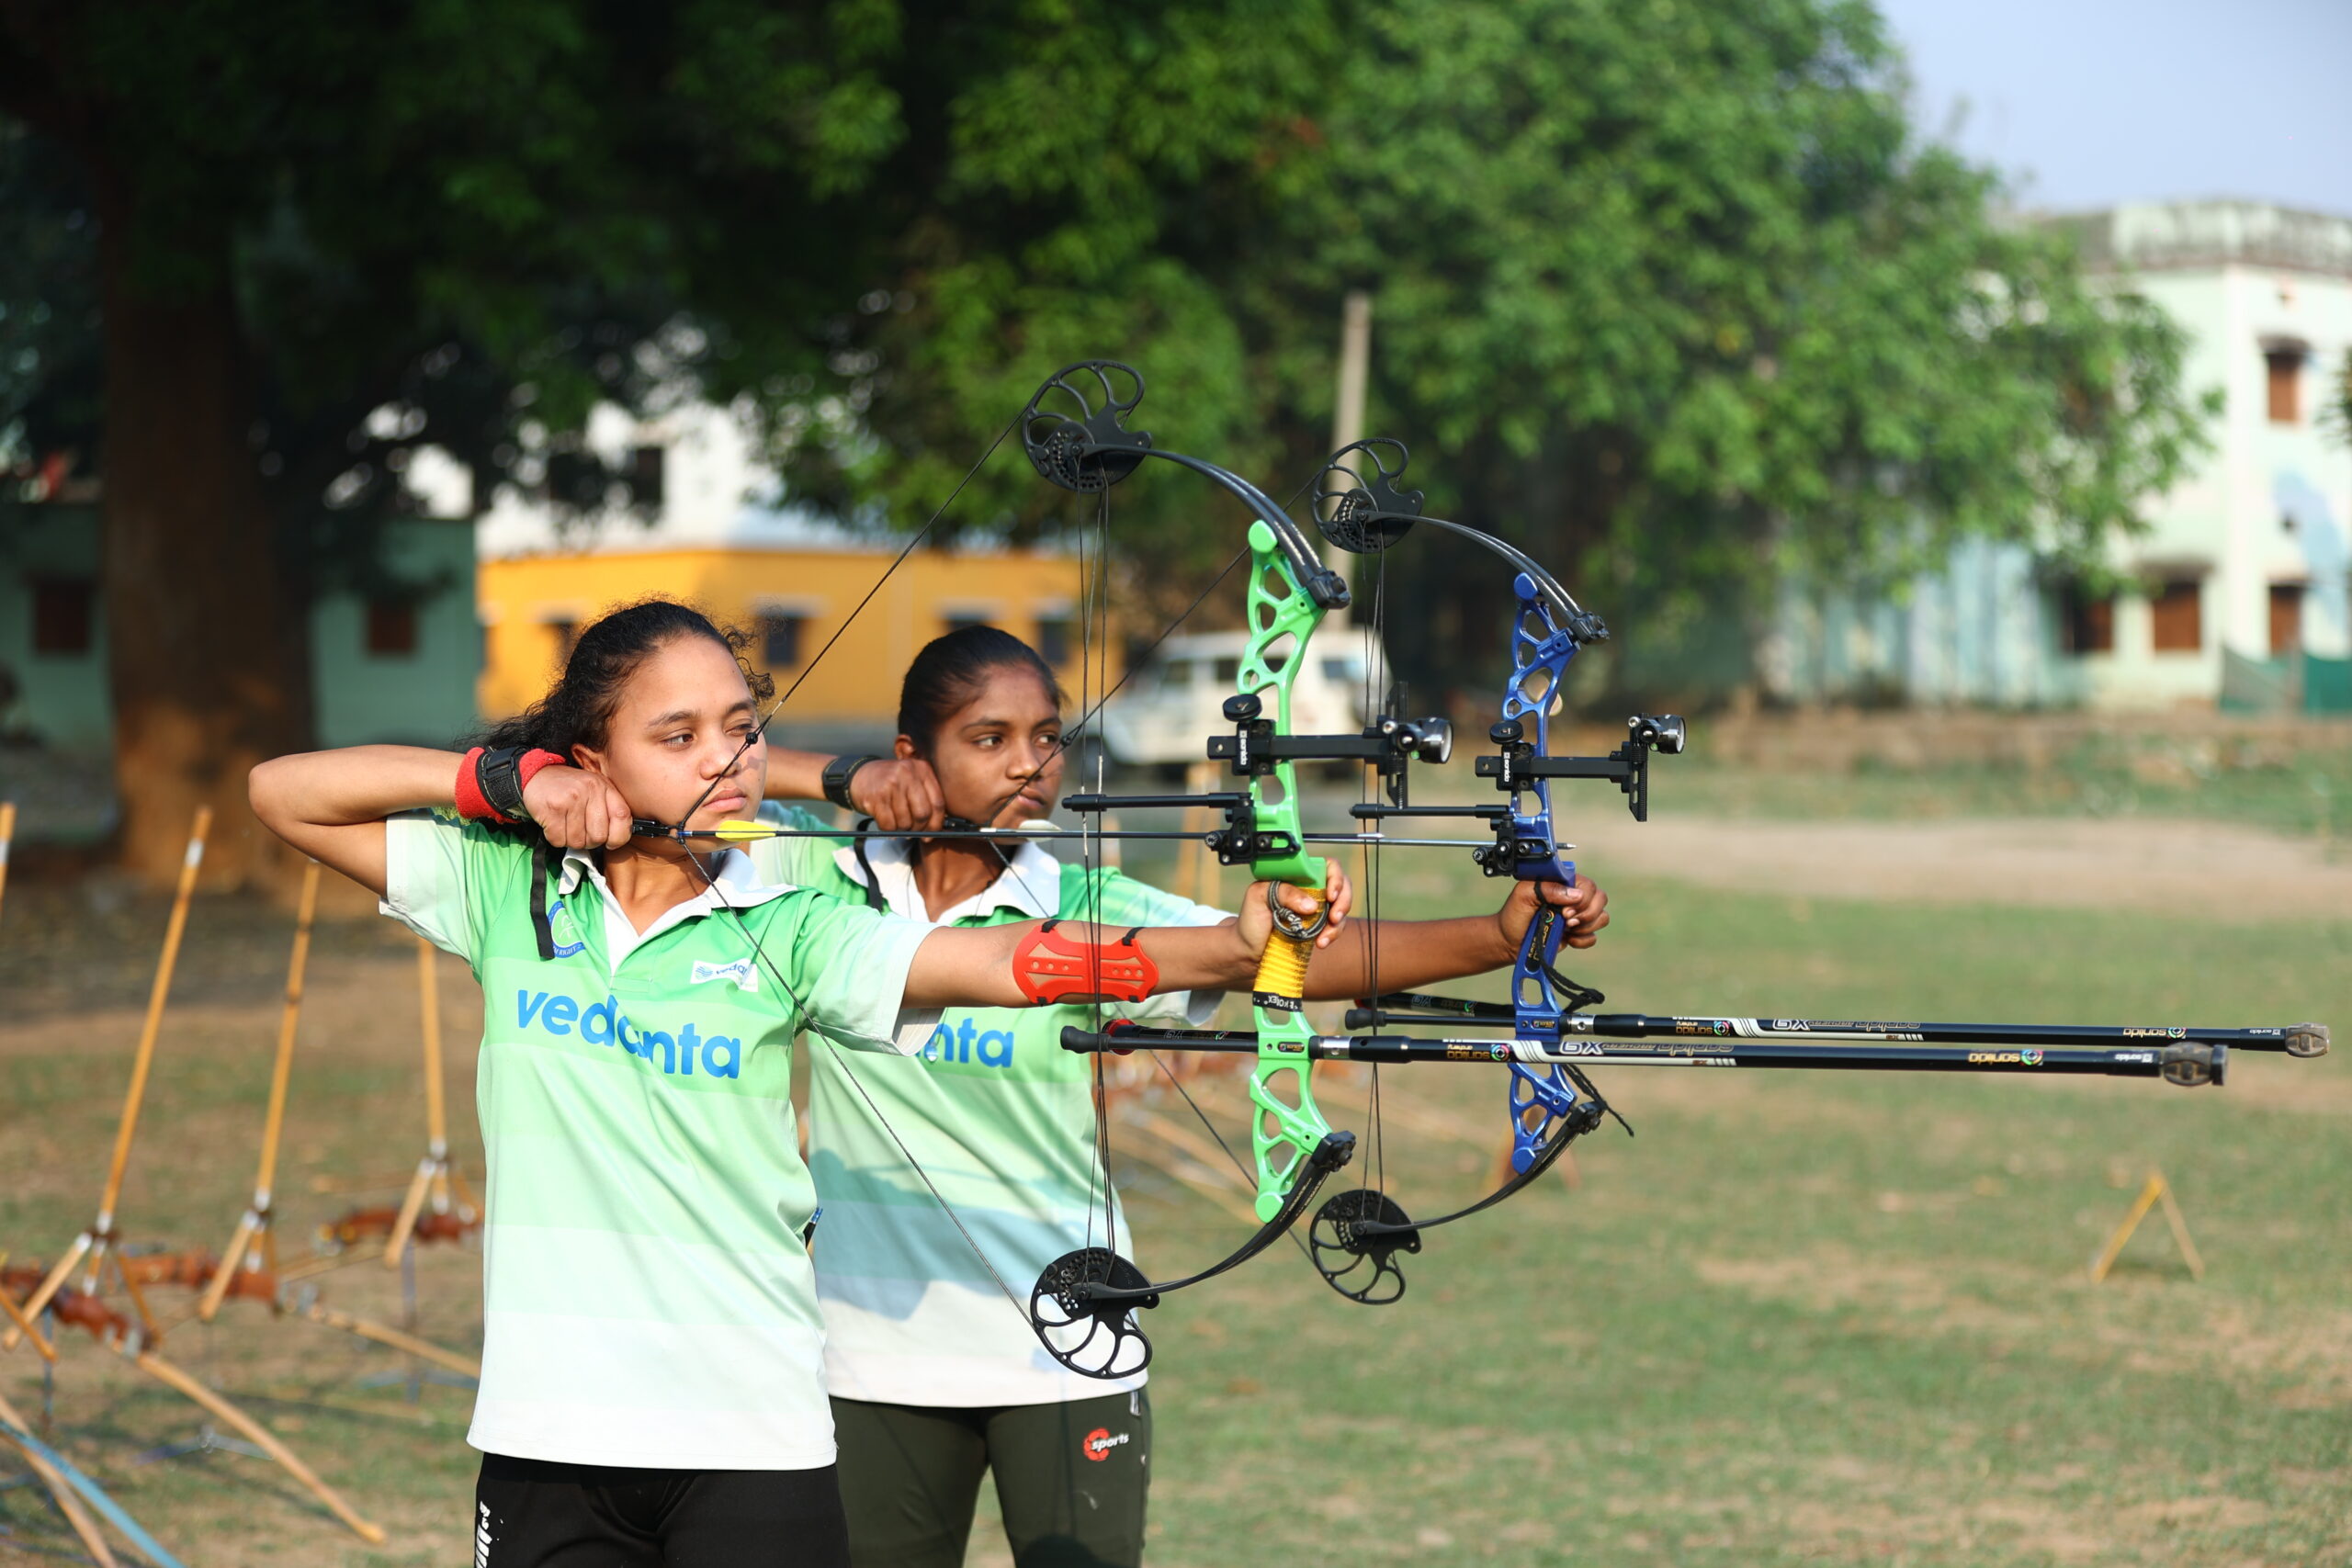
1258, 920
1582, 903
900, 795
578, 808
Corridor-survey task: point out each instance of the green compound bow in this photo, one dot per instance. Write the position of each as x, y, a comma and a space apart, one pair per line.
1083, 1303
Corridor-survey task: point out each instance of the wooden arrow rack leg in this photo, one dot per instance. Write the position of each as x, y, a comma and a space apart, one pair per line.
69, 1502
423, 1348
255, 1224
36, 1304
261, 1437
97, 1238
436, 1178
7, 836
24, 1327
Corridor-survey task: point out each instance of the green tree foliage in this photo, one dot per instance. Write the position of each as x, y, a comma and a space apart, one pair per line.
1668, 292
322, 237
2335, 413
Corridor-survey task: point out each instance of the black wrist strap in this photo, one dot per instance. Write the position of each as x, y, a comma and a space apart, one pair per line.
498, 773
838, 773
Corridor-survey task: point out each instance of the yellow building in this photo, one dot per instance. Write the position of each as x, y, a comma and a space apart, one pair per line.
793, 600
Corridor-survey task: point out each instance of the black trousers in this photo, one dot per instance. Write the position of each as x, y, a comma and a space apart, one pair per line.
535, 1514
1072, 1479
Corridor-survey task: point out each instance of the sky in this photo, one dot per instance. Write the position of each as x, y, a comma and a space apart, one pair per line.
2086, 103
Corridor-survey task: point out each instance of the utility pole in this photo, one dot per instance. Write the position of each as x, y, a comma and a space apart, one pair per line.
1355, 368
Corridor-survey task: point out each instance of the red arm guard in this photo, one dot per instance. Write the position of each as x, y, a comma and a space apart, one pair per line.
1051, 968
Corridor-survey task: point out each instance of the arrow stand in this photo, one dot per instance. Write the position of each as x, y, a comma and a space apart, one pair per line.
254, 1244
2154, 1191
437, 1180
99, 1247
97, 1244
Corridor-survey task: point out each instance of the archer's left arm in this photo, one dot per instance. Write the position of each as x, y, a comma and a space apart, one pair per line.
981, 965
1413, 953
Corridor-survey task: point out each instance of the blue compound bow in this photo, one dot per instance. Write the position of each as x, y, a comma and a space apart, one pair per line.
1358, 1234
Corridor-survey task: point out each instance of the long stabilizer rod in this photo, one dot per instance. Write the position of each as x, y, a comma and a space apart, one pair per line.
1414, 1007
2189, 1063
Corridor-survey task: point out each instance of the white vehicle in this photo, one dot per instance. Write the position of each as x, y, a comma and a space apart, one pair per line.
1169, 707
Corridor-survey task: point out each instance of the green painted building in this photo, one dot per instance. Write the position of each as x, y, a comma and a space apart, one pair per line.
400, 670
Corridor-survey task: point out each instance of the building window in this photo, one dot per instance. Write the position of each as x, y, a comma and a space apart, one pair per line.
647, 477
2176, 613
780, 639
964, 623
2088, 623
1053, 639
2286, 617
391, 628
566, 633
63, 614
2284, 372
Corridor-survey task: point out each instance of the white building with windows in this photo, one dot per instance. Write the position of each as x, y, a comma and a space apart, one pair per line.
2243, 595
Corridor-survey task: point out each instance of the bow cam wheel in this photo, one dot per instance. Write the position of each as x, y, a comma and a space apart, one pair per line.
1360, 501
1074, 431
1354, 1241
1093, 1337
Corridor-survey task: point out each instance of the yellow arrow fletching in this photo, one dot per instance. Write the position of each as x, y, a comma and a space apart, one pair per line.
735, 830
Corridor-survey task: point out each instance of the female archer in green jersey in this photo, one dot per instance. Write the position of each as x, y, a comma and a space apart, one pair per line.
945, 1178
652, 1362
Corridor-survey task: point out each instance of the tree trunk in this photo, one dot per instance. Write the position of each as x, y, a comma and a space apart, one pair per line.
206, 681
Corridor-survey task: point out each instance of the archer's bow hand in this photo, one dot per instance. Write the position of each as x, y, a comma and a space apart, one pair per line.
1338, 899
1582, 903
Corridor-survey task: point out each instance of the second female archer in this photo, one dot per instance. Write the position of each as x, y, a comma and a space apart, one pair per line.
946, 1177
652, 1387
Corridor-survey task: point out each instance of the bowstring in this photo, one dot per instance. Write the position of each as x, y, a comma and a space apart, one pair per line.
1375, 664
801, 1010
759, 951
1089, 852
759, 731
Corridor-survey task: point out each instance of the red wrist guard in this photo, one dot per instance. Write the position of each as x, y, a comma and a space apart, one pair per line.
1050, 967
474, 801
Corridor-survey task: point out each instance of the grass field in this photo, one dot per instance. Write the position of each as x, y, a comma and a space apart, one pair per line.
1801, 1318
2134, 773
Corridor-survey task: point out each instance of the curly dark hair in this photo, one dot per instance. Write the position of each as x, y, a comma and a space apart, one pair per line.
581, 703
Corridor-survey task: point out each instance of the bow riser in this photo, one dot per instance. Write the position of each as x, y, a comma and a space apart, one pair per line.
1288, 1125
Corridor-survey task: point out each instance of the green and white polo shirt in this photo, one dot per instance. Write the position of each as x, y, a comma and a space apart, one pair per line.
999, 1118
647, 1299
